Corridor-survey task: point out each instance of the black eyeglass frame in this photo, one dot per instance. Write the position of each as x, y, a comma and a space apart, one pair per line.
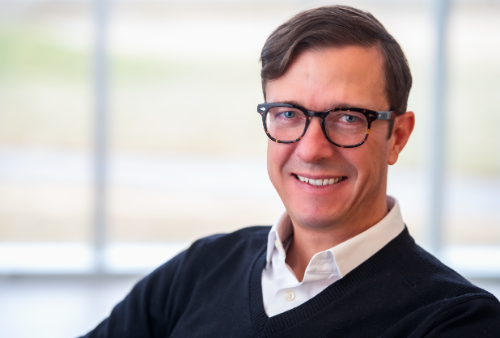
371, 115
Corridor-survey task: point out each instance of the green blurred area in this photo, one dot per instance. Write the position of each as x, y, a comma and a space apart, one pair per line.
156, 104
30, 53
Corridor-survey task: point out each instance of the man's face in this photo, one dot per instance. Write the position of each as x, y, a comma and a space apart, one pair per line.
319, 80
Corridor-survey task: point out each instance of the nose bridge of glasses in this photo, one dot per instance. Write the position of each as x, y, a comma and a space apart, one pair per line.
319, 124
321, 114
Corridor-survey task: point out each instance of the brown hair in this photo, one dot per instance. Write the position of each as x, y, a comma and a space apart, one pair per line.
337, 26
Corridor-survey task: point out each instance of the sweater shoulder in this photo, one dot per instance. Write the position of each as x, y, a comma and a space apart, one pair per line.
221, 251
256, 232
433, 281
214, 251
249, 236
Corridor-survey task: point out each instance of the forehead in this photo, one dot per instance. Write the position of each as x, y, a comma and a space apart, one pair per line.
325, 78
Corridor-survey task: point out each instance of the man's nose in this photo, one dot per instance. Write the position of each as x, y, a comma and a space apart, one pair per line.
314, 146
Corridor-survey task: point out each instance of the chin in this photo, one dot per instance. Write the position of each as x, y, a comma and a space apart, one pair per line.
315, 221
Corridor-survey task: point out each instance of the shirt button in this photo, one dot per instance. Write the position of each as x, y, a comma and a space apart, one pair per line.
289, 296
277, 244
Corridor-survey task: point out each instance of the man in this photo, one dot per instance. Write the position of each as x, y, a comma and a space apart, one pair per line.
340, 261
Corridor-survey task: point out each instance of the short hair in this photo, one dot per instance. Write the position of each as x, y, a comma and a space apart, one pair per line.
337, 26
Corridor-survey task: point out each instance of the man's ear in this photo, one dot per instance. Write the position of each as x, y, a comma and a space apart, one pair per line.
403, 127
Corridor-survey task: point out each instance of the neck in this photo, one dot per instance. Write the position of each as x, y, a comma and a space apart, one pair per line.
308, 241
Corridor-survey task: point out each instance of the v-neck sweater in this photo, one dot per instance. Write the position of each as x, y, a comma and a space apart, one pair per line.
213, 289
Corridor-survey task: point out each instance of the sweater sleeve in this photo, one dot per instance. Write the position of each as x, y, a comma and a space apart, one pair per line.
478, 316
146, 310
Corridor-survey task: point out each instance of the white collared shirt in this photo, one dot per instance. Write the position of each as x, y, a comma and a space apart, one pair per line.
281, 291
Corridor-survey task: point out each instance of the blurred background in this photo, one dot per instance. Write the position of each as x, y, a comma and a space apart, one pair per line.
126, 136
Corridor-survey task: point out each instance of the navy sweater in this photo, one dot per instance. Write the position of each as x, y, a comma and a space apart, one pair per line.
213, 289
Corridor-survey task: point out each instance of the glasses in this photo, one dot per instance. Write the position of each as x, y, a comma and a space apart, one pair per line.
344, 127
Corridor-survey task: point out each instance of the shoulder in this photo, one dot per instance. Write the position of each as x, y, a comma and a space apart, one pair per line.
424, 275
432, 280
451, 305
156, 303
218, 250
247, 238
248, 235
429, 298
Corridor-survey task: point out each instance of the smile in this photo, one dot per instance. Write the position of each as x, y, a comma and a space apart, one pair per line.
320, 182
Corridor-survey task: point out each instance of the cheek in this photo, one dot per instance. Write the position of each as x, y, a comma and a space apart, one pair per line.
378, 162
370, 159
278, 155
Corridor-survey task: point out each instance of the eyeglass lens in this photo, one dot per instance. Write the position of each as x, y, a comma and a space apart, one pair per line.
345, 128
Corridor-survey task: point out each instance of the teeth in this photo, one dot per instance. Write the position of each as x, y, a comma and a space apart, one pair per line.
319, 182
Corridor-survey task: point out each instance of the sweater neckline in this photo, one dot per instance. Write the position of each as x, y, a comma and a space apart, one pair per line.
264, 326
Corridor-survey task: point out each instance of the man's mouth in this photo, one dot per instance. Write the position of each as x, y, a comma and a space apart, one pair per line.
320, 182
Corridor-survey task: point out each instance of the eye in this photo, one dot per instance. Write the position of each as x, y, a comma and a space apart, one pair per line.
289, 114
348, 118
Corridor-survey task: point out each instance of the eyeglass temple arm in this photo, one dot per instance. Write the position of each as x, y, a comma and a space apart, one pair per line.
384, 115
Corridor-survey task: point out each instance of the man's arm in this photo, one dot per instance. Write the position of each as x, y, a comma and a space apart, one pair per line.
145, 311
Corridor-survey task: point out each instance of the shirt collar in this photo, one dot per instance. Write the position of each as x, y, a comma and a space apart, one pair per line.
281, 230
351, 253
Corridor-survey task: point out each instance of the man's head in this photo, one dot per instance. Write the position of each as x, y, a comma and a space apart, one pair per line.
334, 57
337, 26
